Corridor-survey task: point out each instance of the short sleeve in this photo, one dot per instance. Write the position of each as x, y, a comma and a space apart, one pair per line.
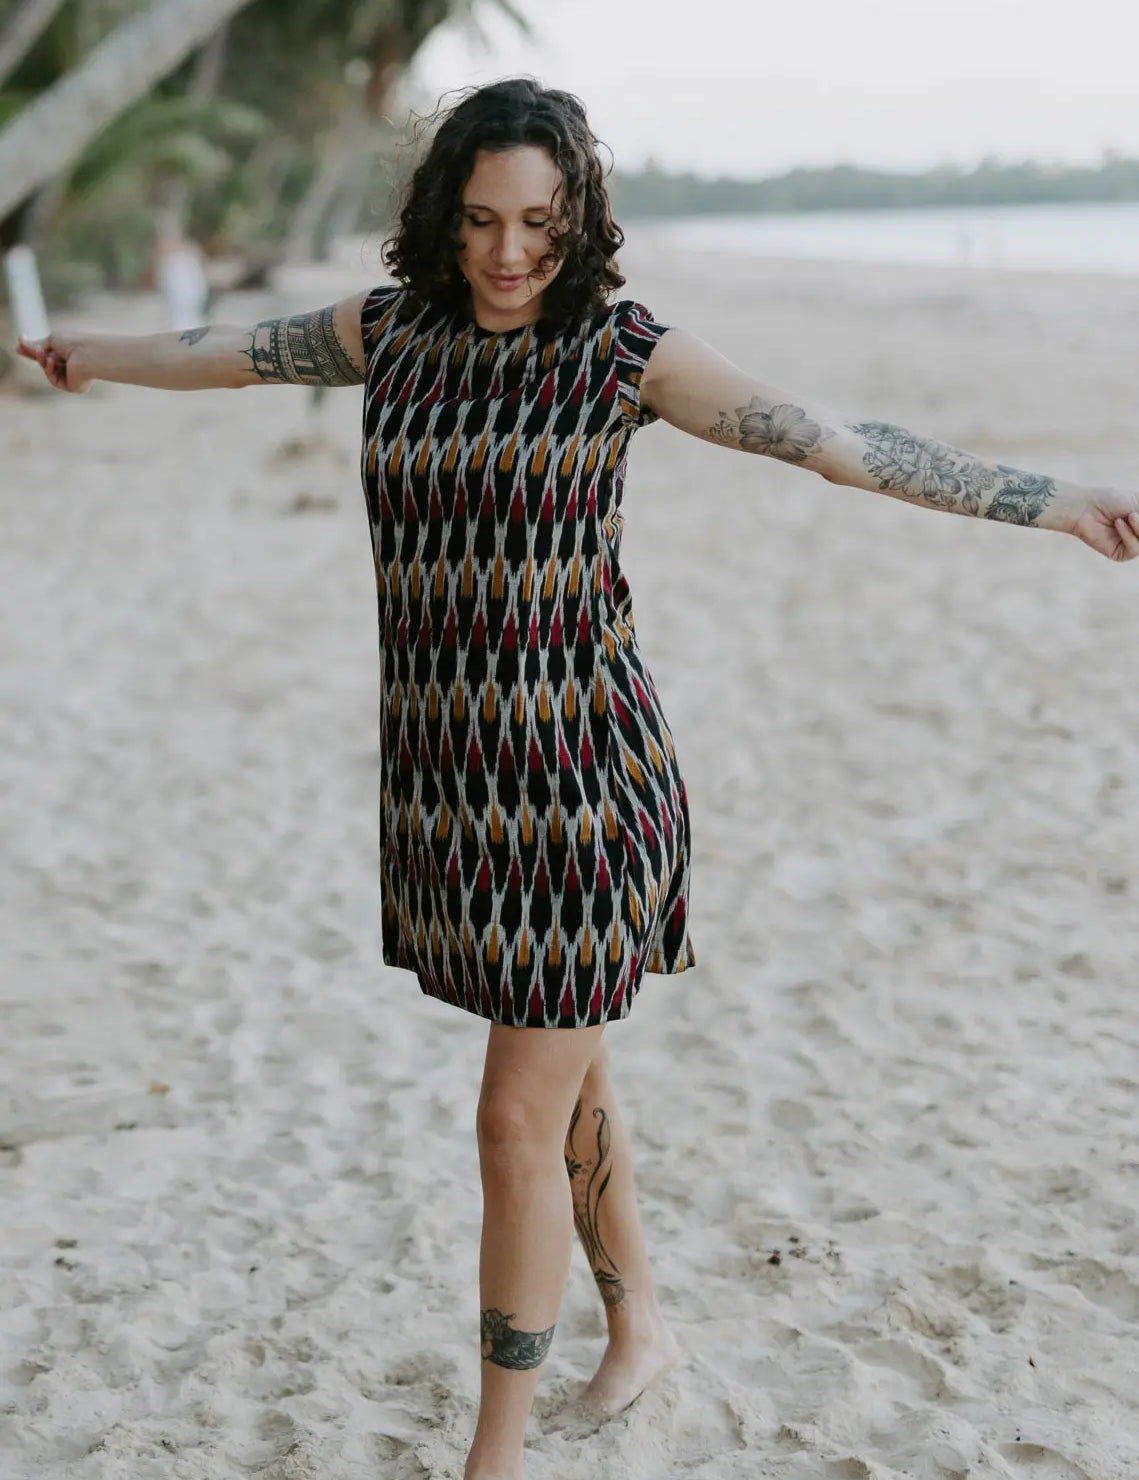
637, 334
377, 313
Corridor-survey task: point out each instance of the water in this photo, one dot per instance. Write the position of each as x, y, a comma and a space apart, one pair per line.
1099, 238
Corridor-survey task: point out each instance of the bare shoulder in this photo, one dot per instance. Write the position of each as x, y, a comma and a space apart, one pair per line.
322, 347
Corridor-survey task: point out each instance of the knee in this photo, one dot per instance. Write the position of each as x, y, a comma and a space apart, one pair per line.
511, 1133
503, 1120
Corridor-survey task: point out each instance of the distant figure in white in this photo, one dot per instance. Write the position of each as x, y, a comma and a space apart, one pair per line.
180, 276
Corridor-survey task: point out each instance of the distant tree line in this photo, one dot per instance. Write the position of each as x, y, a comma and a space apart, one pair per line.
654, 191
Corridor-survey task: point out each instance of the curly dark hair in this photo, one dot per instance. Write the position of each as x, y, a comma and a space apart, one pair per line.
423, 254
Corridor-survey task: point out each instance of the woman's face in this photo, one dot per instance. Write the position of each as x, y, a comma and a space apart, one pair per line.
509, 207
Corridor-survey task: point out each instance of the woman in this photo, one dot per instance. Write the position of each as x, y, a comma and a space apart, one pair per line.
534, 823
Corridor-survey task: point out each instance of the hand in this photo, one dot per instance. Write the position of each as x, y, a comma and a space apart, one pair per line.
57, 358
1109, 523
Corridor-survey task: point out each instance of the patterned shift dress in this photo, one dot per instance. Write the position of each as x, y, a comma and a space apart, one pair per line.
534, 831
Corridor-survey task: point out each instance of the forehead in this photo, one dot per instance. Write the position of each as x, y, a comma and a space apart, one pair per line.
512, 179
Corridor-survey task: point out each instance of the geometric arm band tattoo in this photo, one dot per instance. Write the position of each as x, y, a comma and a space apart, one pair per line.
302, 350
521, 1351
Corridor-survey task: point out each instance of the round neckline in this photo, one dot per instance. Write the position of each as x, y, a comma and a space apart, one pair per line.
465, 321
477, 330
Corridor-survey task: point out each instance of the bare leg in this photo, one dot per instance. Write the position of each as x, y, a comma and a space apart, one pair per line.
530, 1082
599, 1160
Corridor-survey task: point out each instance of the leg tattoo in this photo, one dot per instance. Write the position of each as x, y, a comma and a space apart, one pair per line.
521, 1351
589, 1179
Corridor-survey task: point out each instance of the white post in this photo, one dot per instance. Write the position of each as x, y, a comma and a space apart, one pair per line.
24, 293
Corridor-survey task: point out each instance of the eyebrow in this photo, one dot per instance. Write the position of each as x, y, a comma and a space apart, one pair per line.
471, 205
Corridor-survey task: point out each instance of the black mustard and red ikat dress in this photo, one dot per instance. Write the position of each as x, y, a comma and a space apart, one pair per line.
534, 833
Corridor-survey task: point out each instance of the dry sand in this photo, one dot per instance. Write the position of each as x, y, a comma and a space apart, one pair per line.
888, 1128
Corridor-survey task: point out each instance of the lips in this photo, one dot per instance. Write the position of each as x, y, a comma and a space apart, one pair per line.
511, 282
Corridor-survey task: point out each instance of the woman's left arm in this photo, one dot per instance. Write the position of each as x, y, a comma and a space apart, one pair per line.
690, 384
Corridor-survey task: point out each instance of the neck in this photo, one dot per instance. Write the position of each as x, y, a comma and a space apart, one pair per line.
497, 321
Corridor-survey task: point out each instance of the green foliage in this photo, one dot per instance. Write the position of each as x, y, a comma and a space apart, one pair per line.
11, 102
165, 136
78, 27
241, 152
120, 185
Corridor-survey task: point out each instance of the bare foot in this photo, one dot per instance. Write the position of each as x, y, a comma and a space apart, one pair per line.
490, 1463
499, 1473
627, 1368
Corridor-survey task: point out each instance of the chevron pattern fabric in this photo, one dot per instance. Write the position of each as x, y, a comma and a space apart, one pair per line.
534, 833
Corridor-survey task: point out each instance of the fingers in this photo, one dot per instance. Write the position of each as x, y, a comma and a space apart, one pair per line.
1127, 528
32, 349
51, 355
53, 364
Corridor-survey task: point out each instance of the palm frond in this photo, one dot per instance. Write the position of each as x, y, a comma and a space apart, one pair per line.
13, 101
143, 128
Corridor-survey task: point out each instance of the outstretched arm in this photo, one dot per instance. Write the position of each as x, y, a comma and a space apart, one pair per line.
693, 386
320, 348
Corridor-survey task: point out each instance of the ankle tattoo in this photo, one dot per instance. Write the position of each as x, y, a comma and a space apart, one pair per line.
521, 1351
588, 1181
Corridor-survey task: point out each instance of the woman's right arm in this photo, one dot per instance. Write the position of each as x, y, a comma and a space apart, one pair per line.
320, 348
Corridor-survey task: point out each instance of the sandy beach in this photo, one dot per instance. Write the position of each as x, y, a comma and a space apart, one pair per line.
888, 1127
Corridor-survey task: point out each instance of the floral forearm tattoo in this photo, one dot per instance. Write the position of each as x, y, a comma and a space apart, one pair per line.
910, 467
303, 350
784, 432
1021, 498
949, 479
588, 1181
521, 1351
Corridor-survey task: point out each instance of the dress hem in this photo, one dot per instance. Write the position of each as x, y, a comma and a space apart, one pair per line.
686, 963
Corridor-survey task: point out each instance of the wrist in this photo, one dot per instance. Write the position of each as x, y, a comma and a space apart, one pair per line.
128, 359
82, 361
1063, 510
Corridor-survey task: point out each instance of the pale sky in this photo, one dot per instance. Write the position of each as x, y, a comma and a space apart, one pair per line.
749, 88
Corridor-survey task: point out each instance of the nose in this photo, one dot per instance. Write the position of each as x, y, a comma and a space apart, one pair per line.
508, 250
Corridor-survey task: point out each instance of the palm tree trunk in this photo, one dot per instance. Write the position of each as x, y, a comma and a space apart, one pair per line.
22, 29
338, 158
52, 132
341, 149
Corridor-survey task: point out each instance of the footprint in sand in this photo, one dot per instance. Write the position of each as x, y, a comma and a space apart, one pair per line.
998, 1304
1111, 1289
1041, 1462
846, 1469
926, 1378
792, 1115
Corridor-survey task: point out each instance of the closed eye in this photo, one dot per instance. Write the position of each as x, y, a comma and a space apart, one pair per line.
534, 225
